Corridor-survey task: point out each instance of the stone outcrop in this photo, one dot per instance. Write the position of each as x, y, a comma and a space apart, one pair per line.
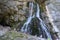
12, 12
4, 29
13, 35
55, 12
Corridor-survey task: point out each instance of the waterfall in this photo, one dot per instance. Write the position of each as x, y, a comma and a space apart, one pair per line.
25, 26
43, 27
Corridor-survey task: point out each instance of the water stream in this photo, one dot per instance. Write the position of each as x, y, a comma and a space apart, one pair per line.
25, 28
43, 26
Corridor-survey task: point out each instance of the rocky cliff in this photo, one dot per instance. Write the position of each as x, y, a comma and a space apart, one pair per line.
13, 13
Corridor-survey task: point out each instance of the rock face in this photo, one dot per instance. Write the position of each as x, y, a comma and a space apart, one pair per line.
54, 8
54, 12
12, 12
13, 35
4, 29
15, 12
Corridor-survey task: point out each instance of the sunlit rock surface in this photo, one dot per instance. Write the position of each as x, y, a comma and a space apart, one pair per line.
54, 8
54, 12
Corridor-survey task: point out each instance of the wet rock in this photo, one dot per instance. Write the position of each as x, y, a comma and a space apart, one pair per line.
34, 25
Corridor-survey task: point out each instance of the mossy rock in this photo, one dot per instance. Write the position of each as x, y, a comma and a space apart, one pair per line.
11, 13
14, 35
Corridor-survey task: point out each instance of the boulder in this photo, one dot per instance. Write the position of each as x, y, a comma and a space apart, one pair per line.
13, 35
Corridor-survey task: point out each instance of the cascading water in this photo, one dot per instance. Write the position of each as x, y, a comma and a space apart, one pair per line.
43, 26
25, 28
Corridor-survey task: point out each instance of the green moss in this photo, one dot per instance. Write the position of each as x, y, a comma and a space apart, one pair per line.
13, 35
